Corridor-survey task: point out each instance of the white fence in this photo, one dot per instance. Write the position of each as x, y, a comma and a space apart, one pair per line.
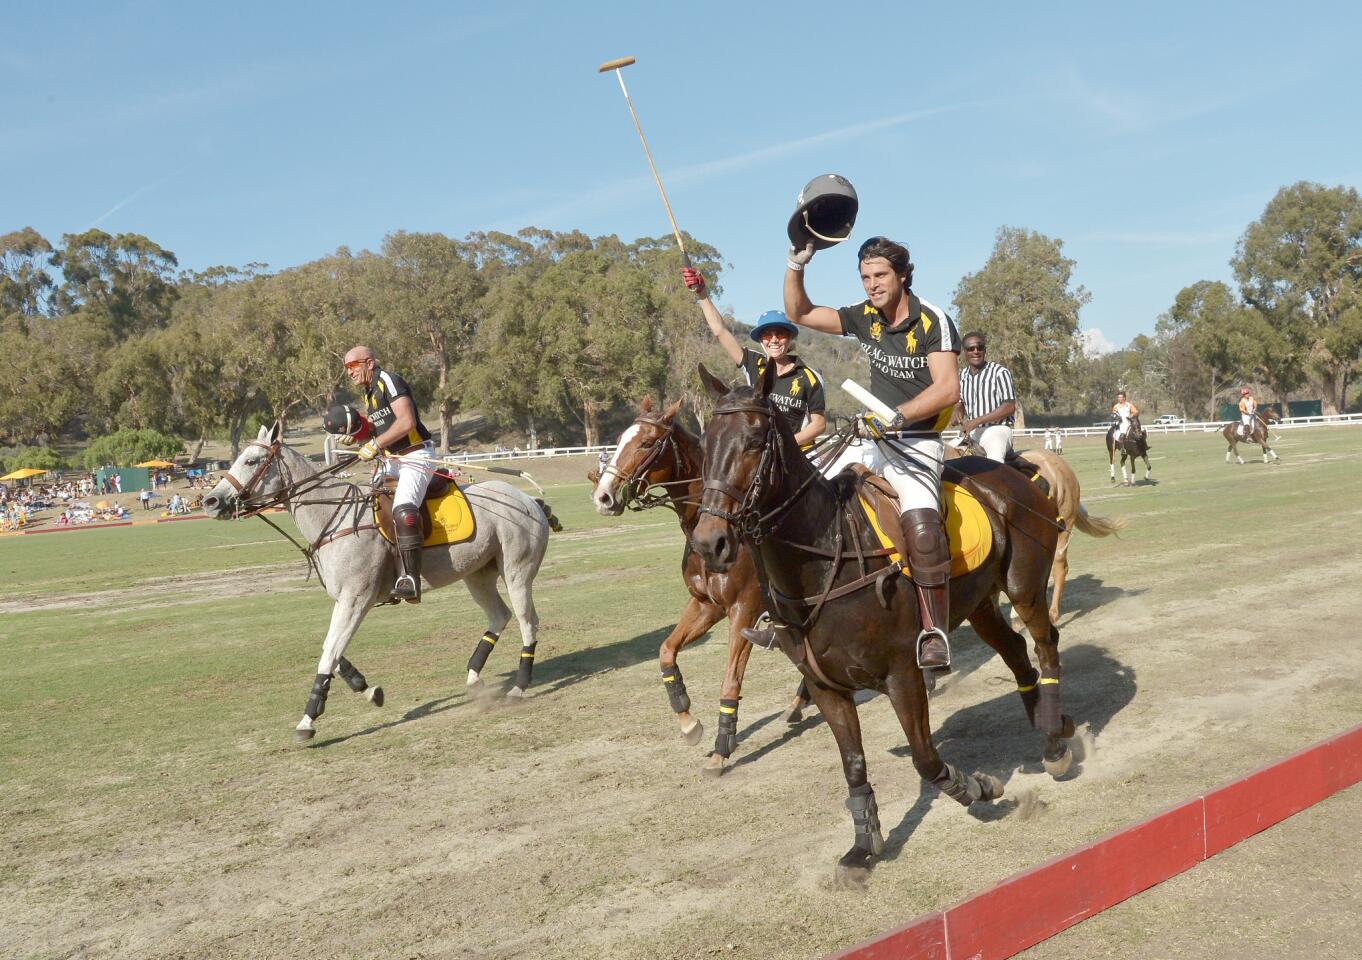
1200, 426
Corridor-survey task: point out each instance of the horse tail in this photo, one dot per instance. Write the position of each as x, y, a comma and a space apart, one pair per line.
554, 524
1097, 526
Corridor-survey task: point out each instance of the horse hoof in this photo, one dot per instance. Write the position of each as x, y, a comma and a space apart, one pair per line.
375, 696
515, 693
992, 787
303, 736
693, 733
714, 766
793, 715
1059, 766
853, 870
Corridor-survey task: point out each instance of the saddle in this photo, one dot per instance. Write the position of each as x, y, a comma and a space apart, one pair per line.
967, 525
446, 516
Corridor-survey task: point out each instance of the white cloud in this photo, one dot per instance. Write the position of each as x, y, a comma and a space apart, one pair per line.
1095, 343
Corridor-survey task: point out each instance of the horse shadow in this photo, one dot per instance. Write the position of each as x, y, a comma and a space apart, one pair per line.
994, 735
419, 712
1086, 593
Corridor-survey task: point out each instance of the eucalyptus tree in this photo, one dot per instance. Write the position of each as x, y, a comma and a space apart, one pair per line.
1022, 299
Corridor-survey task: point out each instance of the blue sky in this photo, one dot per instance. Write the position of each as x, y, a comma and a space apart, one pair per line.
1145, 139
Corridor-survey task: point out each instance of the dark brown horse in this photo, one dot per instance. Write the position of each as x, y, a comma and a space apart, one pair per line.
1134, 445
657, 461
849, 619
1233, 434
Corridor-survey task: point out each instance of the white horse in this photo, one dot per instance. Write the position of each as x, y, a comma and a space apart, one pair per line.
356, 565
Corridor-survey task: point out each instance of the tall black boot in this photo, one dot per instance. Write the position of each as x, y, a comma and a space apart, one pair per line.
407, 520
929, 556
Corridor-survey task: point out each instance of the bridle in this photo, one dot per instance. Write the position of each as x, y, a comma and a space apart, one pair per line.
637, 492
246, 491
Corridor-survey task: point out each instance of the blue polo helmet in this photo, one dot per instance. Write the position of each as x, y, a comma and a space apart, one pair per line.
773, 319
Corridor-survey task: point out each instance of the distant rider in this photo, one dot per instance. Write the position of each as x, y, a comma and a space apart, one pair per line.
1248, 407
912, 347
798, 390
1124, 410
405, 444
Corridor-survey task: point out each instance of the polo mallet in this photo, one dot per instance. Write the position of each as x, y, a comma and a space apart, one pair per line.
617, 66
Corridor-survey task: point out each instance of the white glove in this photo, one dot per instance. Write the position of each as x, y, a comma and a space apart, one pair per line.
796, 260
346, 439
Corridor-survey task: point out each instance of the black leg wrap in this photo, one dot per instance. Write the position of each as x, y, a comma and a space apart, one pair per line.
1030, 694
676, 689
526, 668
1047, 714
316, 703
480, 653
961, 788
352, 677
865, 816
727, 739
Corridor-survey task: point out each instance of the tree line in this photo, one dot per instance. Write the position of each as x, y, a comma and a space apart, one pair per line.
557, 333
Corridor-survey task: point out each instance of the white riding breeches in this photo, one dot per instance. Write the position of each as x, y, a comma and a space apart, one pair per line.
917, 481
995, 440
1122, 430
413, 472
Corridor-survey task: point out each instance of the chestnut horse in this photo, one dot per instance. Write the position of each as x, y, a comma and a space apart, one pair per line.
657, 463
1233, 434
847, 617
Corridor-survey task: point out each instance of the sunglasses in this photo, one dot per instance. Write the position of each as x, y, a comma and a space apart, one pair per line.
356, 364
972, 347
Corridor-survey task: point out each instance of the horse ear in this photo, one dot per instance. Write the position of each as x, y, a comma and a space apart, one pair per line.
276, 432
768, 380
716, 387
264, 434
646, 404
670, 413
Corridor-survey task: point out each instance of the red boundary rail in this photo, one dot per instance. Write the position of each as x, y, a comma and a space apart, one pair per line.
1035, 904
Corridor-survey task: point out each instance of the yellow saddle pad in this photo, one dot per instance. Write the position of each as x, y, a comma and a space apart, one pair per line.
447, 519
967, 527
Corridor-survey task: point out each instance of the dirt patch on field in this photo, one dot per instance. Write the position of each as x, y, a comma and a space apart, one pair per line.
171, 591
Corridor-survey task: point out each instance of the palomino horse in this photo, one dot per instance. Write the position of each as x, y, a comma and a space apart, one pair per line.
356, 565
1232, 432
847, 617
657, 462
1067, 499
1132, 446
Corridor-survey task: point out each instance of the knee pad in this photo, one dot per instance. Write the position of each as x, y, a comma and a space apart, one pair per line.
407, 524
929, 549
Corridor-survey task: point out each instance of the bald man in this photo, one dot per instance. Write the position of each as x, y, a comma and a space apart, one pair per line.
402, 446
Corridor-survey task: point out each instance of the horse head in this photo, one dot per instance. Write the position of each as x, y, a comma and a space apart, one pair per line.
256, 474
741, 467
1270, 415
646, 455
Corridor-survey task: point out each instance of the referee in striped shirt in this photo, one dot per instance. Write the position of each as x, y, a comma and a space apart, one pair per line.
987, 398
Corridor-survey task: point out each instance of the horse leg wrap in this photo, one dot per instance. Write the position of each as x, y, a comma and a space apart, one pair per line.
961, 788
1047, 716
676, 689
481, 652
1030, 694
727, 739
526, 668
865, 817
352, 677
316, 702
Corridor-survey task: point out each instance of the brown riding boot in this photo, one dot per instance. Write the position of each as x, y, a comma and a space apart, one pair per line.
929, 557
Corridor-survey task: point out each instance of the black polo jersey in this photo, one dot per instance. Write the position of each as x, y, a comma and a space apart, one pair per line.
898, 357
378, 403
796, 394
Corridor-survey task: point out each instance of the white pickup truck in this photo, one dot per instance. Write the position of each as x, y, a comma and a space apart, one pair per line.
1169, 420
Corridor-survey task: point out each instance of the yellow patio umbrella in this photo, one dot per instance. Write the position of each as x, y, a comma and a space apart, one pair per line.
23, 474
157, 464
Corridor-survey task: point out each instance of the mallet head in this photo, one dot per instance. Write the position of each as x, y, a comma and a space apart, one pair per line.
614, 64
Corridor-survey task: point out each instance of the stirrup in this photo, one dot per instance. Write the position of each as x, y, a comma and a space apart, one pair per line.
760, 634
406, 589
939, 659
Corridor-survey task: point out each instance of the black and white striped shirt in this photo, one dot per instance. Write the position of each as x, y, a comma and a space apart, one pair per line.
986, 390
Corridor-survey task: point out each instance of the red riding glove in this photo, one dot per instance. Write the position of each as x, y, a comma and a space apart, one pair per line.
694, 282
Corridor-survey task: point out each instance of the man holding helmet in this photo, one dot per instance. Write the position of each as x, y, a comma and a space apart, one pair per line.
912, 347
798, 391
405, 444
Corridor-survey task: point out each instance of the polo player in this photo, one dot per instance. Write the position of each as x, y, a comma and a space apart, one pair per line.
1248, 408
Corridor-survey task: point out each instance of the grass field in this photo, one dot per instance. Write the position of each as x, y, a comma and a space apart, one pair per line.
155, 806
